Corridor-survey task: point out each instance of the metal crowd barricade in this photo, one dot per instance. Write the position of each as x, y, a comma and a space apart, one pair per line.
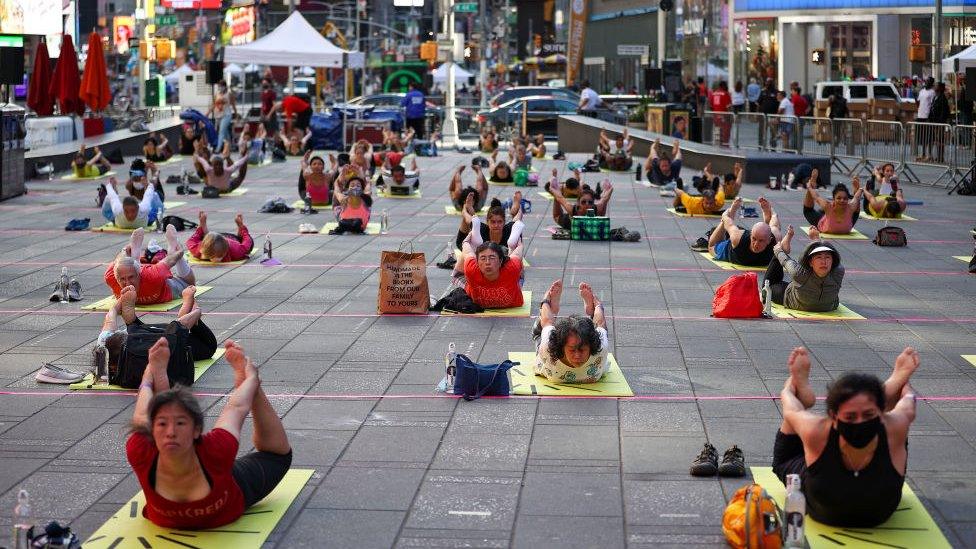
964, 152
884, 143
717, 128
750, 130
814, 135
929, 145
847, 141
786, 130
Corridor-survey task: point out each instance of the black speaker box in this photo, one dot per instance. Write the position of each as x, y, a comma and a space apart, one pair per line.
652, 79
971, 83
12, 65
215, 72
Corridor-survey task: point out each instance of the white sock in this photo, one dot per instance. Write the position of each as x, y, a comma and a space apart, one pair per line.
516, 235
182, 269
135, 242
476, 232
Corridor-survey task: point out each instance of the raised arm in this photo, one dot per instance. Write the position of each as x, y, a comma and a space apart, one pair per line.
728, 221
153, 379
676, 150
654, 148
96, 158
204, 163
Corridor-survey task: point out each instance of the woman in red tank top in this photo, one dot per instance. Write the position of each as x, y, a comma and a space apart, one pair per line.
191, 479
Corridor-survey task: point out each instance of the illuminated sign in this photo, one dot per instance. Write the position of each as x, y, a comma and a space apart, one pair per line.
238, 26
781, 5
122, 26
191, 4
30, 16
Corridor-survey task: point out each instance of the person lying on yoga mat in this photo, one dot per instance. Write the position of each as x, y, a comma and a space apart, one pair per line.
156, 148
255, 144
130, 212
190, 134
293, 142
314, 181
536, 146
352, 202
488, 141
395, 142
202, 342
836, 216
709, 202
397, 180
98, 165
141, 173
571, 349
751, 247
816, 278
220, 247
662, 170
570, 188
883, 180
563, 210
616, 154
194, 480
154, 283
500, 171
459, 192
851, 462
492, 279
219, 174
495, 229
519, 158
361, 155
882, 195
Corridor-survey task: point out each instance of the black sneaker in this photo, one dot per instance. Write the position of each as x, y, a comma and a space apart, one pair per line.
448, 263
972, 264
706, 464
700, 245
733, 463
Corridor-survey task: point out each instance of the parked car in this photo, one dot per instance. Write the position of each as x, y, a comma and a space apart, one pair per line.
542, 114
525, 91
435, 113
859, 92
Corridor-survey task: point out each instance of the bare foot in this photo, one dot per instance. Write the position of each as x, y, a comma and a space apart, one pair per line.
189, 294
172, 243
136, 242
516, 202
127, 303
202, 216
158, 363
856, 183
787, 242
589, 300
469, 207
239, 219
237, 360
905, 365
553, 294
799, 364
765, 206
813, 233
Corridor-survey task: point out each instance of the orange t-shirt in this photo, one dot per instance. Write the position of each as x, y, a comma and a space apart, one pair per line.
502, 293
152, 283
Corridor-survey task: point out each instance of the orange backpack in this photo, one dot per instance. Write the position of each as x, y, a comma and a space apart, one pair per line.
752, 520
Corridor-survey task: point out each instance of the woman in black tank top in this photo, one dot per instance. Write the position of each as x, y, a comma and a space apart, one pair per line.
852, 461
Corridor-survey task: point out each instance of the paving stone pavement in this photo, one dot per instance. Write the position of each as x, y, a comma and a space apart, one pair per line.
396, 466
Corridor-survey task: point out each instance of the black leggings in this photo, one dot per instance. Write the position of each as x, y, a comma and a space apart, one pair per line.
258, 473
814, 215
788, 456
775, 276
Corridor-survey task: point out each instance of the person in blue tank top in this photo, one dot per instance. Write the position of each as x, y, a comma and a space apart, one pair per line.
852, 461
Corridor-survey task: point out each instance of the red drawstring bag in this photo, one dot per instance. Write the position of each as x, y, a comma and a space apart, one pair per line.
738, 297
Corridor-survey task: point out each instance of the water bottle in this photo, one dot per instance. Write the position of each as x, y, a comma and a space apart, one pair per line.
99, 367
384, 222
63, 285
22, 520
267, 246
308, 205
796, 508
767, 300
450, 368
637, 173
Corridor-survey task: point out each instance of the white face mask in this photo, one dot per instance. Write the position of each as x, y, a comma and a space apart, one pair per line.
139, 185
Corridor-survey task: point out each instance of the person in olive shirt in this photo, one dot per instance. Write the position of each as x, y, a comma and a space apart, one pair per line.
751, 247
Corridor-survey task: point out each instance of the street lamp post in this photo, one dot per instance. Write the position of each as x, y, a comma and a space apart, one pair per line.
449, 128
483, 62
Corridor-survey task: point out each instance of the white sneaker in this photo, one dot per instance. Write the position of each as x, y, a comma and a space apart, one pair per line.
50, 373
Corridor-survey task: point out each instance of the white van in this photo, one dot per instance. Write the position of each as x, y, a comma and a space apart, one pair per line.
860, 92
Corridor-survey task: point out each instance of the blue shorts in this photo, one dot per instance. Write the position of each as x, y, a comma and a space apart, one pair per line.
722, 250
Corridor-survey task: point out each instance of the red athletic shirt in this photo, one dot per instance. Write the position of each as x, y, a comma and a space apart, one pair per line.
224, 504
503, 293
267, 101
799, 104
720, 101
152, 283
293, 105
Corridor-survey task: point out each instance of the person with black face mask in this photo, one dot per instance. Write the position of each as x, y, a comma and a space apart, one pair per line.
852, 461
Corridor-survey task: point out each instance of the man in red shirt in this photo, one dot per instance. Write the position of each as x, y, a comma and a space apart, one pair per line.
159, 282
493, 281
298, 112
720, 101
800, 105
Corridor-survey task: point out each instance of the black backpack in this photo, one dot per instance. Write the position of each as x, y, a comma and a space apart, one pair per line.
178, 223
135, 354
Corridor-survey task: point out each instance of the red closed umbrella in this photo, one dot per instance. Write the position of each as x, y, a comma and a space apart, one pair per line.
66, 80
39, 96
94, 82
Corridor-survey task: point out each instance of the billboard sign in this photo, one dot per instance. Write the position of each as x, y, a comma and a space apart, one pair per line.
238, 26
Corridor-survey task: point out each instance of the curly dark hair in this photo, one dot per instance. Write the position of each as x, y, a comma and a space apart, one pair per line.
582, 326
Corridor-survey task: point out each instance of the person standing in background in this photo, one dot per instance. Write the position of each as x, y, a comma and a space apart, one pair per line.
415, 105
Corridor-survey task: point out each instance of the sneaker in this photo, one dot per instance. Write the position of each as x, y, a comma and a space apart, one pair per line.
706, 464
306, 228
733, 463
561, 234
972, 264
632, 237
448, 263
74, 290
50, 373
700, 245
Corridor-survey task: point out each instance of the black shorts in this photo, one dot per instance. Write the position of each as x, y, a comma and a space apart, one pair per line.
258, 473
788, 456
302, 119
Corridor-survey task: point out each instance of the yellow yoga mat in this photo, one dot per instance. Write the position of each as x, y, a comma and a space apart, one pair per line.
503, 183
902, 217
854, 235
384, 194
172, 160
449, 210
299, 204
524, 310
204, 263
683, 214
111, 228
199, 367
909, 526
239, 191
371, 228
840, 313
727, 265
127, 529
174, 204
73, 177
107, 303
266, 162
970, 359
525, 382
965, 258
546, 195
608, 170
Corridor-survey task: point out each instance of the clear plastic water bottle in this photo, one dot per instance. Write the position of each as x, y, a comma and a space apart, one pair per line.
450, 365
384, 222
63, 285
796, 509
766, 300
23, 520
267, 246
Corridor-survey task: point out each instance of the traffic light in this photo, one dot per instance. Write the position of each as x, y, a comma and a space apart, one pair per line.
428, 50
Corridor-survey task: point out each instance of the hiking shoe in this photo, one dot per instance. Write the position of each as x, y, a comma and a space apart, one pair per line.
733, 463
74, 290
561, 234
706, 464
448, 263
631, 236
700, 245
50, 373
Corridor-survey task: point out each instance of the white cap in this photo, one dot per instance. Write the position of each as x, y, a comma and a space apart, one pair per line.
819, 249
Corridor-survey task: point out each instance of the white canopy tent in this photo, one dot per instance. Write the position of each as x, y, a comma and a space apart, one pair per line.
460, 75
959, 62
174, 77
294, 43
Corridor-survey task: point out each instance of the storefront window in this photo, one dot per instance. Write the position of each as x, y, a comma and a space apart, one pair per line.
756, 49
700, 28
850, 50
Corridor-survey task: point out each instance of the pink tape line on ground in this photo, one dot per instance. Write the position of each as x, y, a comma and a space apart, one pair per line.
662, 398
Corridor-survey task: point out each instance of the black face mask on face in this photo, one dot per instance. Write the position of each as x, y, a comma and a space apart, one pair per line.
861, 434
